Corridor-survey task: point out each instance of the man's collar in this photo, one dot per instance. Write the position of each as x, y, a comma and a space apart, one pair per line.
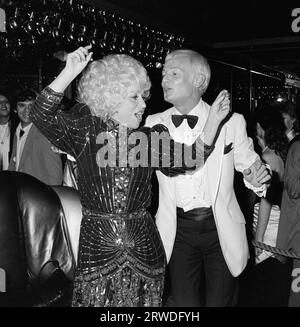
291, 134
195, 111
200, 110
25, 129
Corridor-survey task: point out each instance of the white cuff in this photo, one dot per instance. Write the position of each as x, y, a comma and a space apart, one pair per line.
259, 191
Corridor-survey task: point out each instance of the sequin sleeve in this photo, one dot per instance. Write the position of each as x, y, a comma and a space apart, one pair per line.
174, 158
66, 131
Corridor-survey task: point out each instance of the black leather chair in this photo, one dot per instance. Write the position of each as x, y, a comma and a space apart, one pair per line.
39, 231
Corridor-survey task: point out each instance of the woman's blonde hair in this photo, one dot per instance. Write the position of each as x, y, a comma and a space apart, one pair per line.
105, 82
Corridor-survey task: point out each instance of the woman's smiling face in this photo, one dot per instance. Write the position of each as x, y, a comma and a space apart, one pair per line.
130, 111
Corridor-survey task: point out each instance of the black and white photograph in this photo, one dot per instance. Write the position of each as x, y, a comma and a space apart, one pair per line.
149, 157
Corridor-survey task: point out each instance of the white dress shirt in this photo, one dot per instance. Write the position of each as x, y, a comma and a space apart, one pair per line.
4, 146
191, 189
21, 142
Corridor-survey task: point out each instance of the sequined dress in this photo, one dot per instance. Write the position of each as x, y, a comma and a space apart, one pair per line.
121, 259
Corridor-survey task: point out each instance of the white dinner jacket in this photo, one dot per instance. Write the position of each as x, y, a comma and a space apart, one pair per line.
229, 219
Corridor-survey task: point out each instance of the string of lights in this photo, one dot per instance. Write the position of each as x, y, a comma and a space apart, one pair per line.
49, 25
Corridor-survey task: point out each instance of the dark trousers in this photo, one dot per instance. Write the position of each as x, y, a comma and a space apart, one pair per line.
266, 284
198, 272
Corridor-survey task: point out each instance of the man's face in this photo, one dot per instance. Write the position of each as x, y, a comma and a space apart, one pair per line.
23, 109
288, 121
177, 80
4, 106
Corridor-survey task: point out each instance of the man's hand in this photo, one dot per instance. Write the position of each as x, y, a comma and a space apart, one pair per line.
257, 174
218, 111
220, 108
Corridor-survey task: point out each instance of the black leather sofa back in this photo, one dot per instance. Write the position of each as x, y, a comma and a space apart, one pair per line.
34, 241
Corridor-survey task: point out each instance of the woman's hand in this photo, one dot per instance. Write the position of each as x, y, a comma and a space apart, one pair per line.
75, 63
258, 252
77, 60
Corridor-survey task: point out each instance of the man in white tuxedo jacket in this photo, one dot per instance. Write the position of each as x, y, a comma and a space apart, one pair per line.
199, 219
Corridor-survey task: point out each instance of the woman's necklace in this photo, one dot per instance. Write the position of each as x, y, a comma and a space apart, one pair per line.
265, 149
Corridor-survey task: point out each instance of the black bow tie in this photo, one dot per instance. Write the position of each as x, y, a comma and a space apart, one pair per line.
178, 119
21, 133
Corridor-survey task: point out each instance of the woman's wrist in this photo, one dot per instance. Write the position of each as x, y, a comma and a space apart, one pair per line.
62, 81
68, 74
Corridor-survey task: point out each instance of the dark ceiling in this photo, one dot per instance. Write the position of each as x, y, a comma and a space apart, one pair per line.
260, 30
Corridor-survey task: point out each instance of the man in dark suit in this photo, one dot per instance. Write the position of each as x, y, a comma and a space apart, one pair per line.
288, 111
288, 237
32, 153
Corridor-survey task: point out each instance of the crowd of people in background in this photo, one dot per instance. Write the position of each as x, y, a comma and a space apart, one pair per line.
22, 147
200, 236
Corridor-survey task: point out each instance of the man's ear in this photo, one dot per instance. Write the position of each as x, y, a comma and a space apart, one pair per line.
199, 80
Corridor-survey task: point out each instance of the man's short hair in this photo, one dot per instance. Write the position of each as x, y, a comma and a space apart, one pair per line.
289, 108
26, 95
198, 62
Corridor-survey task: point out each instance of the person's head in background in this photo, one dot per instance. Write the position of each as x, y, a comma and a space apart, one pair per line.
115, 87
185, 78
271, 129
289, 114
25, 100
5, 108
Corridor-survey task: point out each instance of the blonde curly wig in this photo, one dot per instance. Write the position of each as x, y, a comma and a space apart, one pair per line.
105, 82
